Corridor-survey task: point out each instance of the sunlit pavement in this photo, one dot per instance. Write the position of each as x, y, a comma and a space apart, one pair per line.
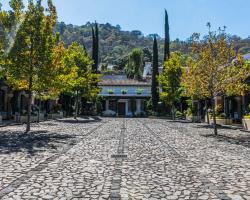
123, 159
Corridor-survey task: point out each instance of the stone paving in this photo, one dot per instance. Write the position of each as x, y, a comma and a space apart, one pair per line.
126, 159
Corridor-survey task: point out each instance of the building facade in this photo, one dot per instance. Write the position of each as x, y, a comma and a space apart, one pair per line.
123, 96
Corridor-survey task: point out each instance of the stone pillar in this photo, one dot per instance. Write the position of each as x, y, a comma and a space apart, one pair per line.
243, 105
127, 101
107, 105
138, 105
239, 106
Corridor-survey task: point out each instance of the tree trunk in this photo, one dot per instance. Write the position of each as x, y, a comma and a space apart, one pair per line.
207, 114
39, 107
173, 113
29, 112
76, 105
214, 117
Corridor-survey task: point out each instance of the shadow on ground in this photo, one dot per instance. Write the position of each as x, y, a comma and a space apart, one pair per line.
80, 120
35, 141
243, 140
207, 126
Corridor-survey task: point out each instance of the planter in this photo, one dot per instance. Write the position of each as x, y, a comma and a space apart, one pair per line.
220, 121
24, 119
55, 115
41, 117
225, 121
246, 124
193, 118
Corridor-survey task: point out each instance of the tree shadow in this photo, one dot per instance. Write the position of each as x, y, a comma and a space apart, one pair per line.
32, 142
207, 126
181, 121
80, 120
243, 140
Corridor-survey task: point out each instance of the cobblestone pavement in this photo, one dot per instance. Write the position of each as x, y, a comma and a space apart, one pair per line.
124, 159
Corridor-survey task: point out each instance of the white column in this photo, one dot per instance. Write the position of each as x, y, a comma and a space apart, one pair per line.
126, 108
138, 105
107, 104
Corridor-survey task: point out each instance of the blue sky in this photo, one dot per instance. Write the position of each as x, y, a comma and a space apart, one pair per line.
186, 16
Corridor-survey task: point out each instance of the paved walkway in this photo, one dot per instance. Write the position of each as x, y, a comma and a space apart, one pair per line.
123, 159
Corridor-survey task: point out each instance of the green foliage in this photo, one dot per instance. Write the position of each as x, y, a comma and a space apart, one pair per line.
179, 114
78, 76
149, 105
134, 67
139, 91
124, 91
110, 91
170, 80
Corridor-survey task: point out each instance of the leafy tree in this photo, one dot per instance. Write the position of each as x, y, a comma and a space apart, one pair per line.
167, 38
212, 73
30, 58
78, 79
147, 55
155, 74
8, 26
134, 67
170, 80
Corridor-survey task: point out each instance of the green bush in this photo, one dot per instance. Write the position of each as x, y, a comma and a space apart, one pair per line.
218, 110
178, 114
124, 91
110, 91
139, 91
222, 116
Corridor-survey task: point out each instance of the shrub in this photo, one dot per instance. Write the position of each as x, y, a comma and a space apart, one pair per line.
218, 110
178, 114
222, 116
110, 91
139, 91
124, 91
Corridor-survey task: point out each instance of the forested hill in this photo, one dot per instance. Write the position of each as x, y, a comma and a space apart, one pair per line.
115, 43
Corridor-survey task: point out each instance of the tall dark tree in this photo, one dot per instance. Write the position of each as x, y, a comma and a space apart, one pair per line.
167, 38
155, 74
95, 51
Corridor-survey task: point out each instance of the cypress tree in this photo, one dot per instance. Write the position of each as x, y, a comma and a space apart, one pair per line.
155, 73
167, 38
95, 46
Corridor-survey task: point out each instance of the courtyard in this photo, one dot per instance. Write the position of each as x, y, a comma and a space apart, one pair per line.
123, 158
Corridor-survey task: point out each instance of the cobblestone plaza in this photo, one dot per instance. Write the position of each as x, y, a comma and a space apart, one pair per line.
124, 158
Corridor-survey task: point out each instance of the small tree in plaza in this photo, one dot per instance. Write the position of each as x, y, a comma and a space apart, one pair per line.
170, 81
30, 65
78, 79
212, 72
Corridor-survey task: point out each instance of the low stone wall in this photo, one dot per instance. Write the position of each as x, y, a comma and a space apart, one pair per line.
55, 116
219, 121
193, 118
24, 119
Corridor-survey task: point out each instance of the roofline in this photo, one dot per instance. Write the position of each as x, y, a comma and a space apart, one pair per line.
124, 84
